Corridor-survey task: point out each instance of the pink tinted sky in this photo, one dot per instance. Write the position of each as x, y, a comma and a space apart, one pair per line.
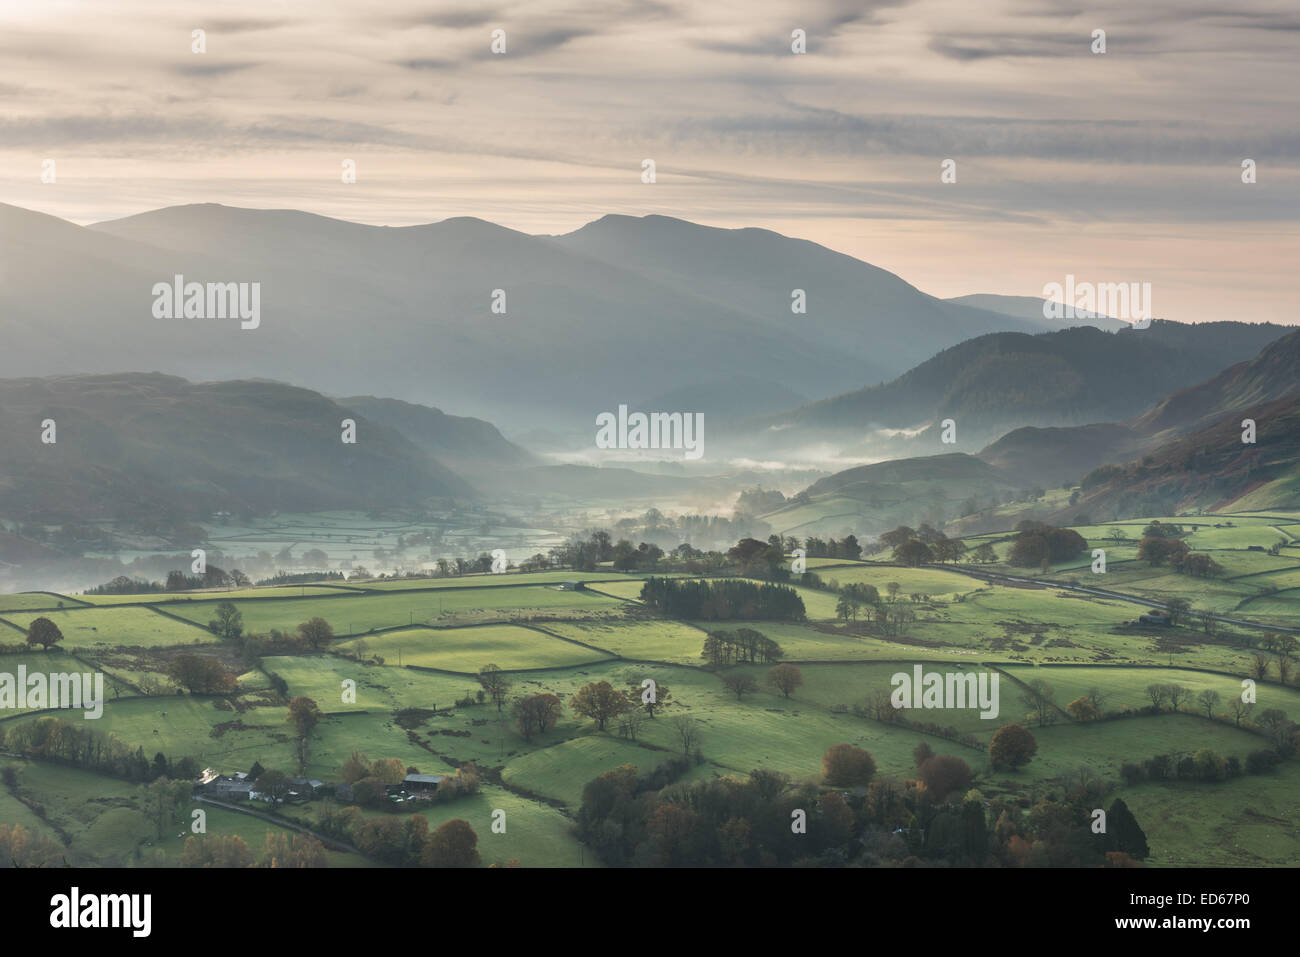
1121, 167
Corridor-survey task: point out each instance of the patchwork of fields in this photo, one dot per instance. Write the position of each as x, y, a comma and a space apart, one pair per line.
400, 681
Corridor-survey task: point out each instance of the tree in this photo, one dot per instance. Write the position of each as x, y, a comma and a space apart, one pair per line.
199, 674
944, 774
1038, 698
1178, 609
316, 632
913, 553
1178, 695
495, 684
599, 701
1123, 833
1082, 709
453, 844
847, 766
1259, 666
739, 683
785, 678
1012, 747
985, 554
304, 715
1156, 692
537, 714
229, 622
43, 632
687, 730
1209, 701
630, 722
1240, 708
275, 785
162, 797
1278, 726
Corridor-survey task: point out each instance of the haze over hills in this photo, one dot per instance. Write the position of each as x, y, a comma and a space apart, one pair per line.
468, 446
131, 445
1030, 309
1053, 455
618, 311
1185, 452
995, 383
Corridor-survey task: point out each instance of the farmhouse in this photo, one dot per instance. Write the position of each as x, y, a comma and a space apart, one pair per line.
570, 586
224, 787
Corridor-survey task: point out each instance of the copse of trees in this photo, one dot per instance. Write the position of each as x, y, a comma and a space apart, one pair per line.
727, 598
814, 547
1038, 543
537, 714
201, 674
742, 646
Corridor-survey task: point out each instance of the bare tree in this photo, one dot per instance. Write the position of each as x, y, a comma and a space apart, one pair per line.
688, 732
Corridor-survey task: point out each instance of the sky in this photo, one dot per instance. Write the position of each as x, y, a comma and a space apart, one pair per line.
1122, 166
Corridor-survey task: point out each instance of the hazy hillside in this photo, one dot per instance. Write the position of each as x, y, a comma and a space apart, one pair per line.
1053, 455
135, 445
1030, 309
1274, 373
995, 383
466, 446
1211, 469
1185, 452
619, 311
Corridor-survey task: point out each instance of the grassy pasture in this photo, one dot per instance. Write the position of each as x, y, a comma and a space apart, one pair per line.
467, 650
114, 627
1126, 687
231, 594
357, 615
25, 600
658, 640
561, 771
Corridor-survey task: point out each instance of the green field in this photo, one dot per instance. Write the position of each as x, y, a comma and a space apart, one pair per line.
36, 600
555, 641
113, 627
467, 650
357, 615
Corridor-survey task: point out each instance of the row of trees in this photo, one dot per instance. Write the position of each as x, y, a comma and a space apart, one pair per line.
712, 600
742, 646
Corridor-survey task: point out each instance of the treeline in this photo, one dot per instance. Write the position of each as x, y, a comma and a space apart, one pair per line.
50, 738
921, 546
729, 598
1204, 764
20, 847
742, 646
768, 820
278, 850
402, 842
